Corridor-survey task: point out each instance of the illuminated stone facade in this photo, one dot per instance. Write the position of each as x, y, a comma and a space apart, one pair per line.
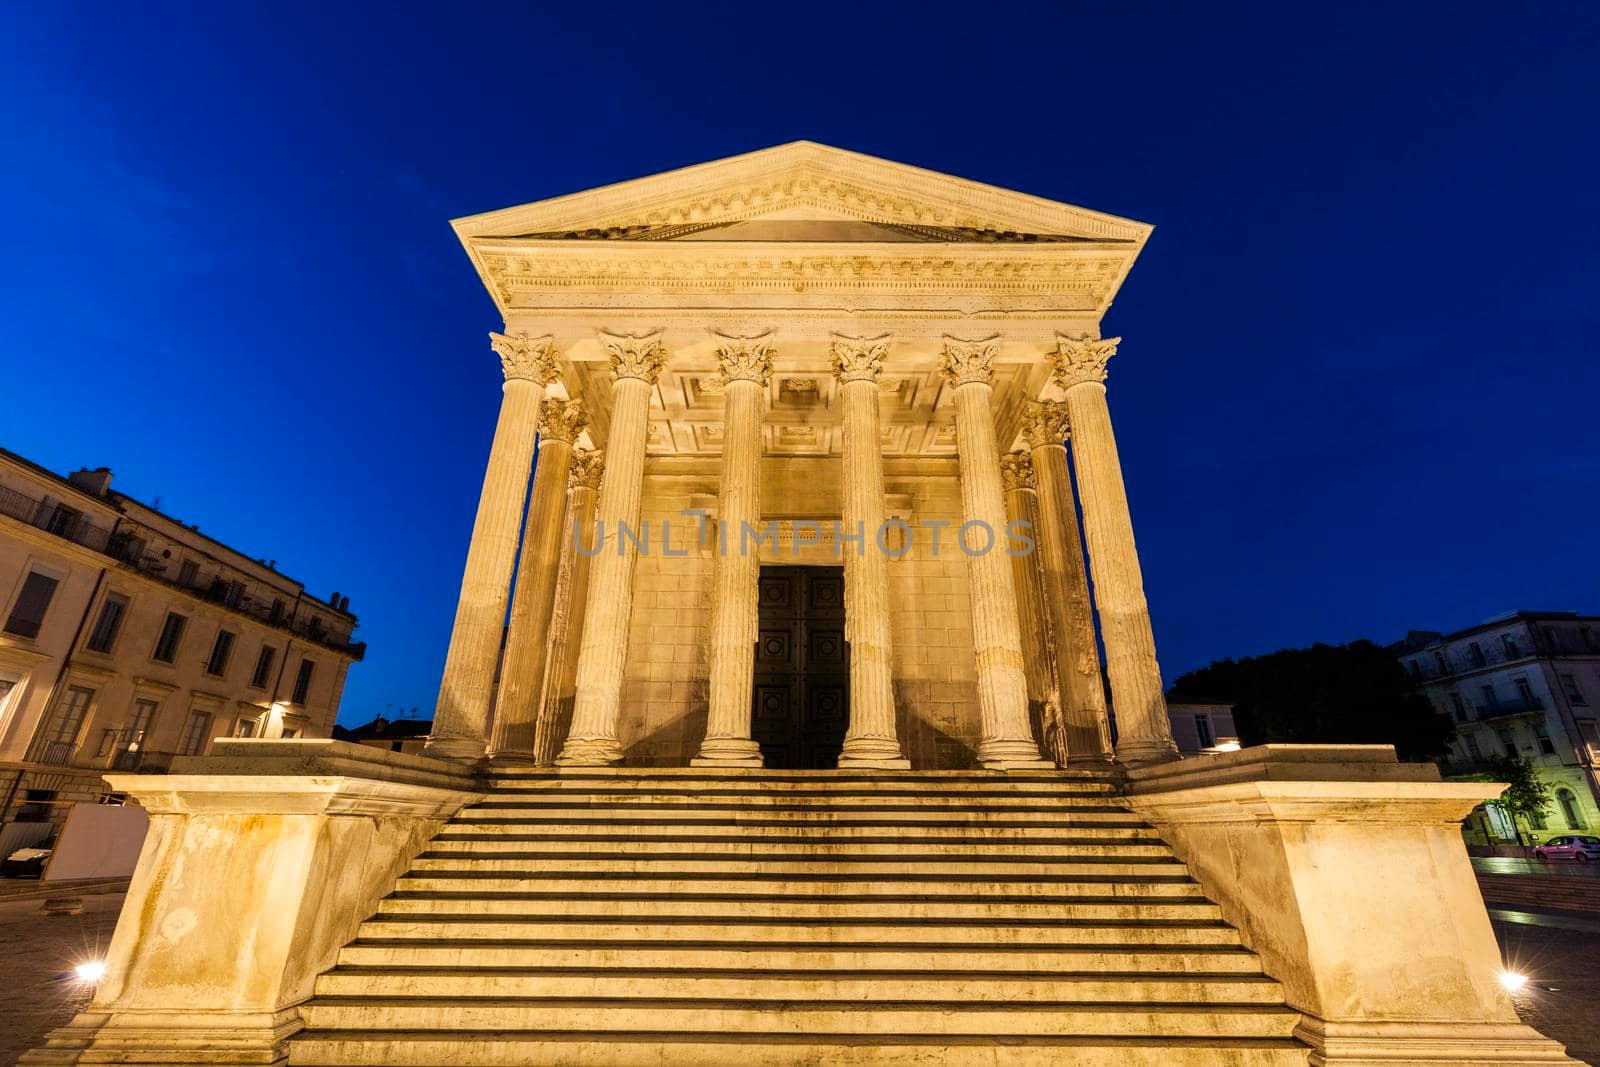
800, 801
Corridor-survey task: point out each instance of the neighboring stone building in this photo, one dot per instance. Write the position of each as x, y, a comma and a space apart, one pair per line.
1200, 725
127, 638
1525, 684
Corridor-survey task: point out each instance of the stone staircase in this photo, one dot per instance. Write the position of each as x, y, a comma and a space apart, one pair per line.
690, 917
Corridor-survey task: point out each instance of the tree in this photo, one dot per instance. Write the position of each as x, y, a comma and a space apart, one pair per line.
1326, 694
1526, 794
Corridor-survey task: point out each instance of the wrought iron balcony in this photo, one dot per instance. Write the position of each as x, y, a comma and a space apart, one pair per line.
53, 518
1518, 705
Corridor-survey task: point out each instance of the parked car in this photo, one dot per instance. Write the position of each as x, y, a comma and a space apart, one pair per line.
1580, 847
29, 862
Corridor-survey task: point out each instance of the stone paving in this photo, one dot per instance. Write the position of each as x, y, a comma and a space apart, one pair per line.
37, 954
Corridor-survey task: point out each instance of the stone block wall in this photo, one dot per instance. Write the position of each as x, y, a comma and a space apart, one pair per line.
665, 689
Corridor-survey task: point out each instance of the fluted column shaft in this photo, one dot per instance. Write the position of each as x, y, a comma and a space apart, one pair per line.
1143, 731
746, 362
1022, 512
533, 600
1077, 659
592, 739
461, 718
1002, 684
572, 589
872, 739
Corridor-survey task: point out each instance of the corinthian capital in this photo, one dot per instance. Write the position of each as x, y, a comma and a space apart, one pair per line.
1044, 423
640, 356
588, 466
969, 362
858, 359
1083, 359
1016, 470
561, 420
529, 358
745, 359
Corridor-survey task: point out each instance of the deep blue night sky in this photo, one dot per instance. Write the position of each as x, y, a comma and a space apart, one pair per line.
1357, 392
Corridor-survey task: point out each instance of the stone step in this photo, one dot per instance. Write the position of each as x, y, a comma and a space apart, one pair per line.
833, 931
810, 1017
467, 1048
709, 987
772, 846
751, 830
985, 792
790, 801
676, 864
1053, 817
813, 907
666, 776
583, 883
752, 958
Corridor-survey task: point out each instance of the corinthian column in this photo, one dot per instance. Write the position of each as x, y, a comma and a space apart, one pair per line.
872, 740
1038, 657
522, 669
1066, 585
1002, 683
461, 720
572, 590
636, 363
1143, 731
746, 363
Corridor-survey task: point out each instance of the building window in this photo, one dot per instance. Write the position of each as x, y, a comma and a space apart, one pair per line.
1472, 747
62, 736
1489, 700
1541, 734
1525, 691
1458, 706
277, 612
188, 573
104, 634
196, 733
244, 728
171, 634
1202, 729
221, 649
1475, 652
1414, 667
36, 805
1507, 742
27, 614
1438, 659
1569, 809
1510, 645
1574, 694
258, 677
302, 682
1589, 641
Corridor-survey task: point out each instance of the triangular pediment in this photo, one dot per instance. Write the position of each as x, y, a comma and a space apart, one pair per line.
802, 192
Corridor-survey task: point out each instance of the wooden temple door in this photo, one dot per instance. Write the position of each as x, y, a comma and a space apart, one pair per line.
801, 703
